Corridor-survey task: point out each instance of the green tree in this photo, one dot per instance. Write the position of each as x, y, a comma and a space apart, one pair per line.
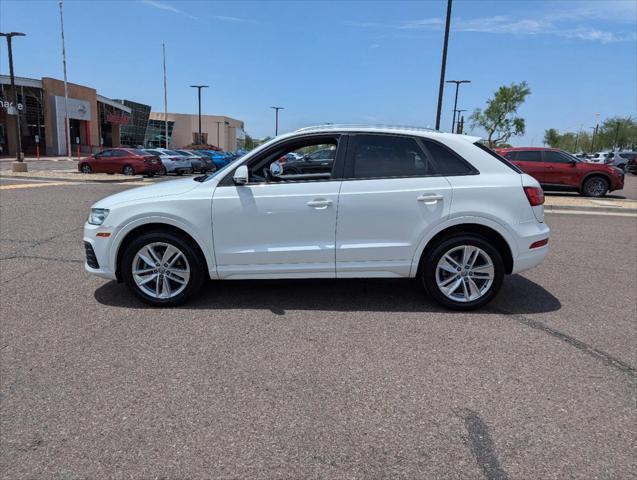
552, 138
249, 143
498, 119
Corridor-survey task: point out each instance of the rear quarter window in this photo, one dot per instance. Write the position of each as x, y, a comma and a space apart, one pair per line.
499, 158
447, 162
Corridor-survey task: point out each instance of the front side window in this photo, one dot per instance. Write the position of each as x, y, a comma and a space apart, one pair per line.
302, 160
378, 156
556, 157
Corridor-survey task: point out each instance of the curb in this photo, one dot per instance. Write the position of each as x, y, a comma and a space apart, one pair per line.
575, 208
70, 180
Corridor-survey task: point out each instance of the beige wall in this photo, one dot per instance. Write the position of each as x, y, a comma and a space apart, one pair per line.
187, 124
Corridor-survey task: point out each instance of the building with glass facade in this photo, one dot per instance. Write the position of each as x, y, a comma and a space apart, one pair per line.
133, 134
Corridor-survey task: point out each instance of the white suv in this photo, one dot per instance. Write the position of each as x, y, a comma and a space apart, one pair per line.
395, 202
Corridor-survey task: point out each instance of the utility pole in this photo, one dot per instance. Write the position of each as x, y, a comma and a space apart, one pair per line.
18, 165
441, 88
593, 138
617, 134
455, 103
276, 121
67, 127
199, 87
163, 47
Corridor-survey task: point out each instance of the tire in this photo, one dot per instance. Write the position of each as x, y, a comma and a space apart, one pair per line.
163, 171
595, 186
486, 282
128, 170
86, 168
177, 292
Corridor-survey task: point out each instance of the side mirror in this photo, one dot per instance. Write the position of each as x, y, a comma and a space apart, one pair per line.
572, 163
276, 169
241, 175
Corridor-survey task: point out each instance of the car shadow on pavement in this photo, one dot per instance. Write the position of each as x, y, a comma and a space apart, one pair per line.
518, 296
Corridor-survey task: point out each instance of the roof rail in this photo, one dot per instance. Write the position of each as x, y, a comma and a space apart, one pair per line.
363, 125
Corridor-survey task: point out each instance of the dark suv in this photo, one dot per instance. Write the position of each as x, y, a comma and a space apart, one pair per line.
555, 169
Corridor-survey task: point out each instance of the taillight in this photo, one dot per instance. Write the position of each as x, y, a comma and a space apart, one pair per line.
535, 195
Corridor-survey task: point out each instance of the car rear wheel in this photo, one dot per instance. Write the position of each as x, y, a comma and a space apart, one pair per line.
128, 170
86, 168
595, 187
162, 269
463, 272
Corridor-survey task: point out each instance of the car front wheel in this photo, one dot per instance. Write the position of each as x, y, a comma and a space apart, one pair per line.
595, 187
162, 269
463, 272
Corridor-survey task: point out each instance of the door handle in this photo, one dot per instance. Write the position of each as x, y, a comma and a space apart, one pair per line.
319, 203
430, 198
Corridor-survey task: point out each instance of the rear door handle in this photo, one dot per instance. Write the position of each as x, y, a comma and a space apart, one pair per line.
430, 198
320, 204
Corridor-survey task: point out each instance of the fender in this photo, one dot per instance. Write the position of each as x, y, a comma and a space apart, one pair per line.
459, 220
174, 222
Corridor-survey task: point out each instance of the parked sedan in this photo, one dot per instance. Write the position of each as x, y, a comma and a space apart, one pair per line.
199, 162
129, 161
558, 170
172, 161
220, 159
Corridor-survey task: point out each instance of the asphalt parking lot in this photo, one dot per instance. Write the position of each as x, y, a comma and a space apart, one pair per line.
356, 379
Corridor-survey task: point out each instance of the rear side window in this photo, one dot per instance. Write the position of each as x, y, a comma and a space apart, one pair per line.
381, 156
528, 156
447, 162
499, 158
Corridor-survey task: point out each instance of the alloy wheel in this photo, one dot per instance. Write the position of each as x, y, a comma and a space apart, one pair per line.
128, 170
596, 187
161, 270
465, 273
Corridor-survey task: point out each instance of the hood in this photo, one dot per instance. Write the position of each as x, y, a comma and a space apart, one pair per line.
161, 189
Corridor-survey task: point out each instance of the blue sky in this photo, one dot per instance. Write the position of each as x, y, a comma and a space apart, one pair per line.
341, 62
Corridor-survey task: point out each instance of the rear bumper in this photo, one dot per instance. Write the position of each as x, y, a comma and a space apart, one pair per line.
527, 258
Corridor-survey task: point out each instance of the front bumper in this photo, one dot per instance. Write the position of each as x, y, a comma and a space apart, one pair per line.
98, 251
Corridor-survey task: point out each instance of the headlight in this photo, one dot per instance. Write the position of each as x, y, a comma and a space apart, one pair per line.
97, 216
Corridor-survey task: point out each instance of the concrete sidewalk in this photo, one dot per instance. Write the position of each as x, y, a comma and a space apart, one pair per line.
73, 176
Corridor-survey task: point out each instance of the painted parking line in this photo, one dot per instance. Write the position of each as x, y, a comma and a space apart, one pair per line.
34, 185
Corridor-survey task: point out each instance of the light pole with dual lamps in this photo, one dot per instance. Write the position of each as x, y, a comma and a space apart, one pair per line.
276, 120
455, 103
18, 165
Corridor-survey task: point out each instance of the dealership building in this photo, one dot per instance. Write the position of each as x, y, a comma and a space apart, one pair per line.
94, 120
97, 122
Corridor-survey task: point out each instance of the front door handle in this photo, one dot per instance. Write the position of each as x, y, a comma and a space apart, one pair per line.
430, 198
319, 204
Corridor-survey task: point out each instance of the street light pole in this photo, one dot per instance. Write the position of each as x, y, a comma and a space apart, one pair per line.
441, 88
199, 87
276, 119
455, 103
460, 123
20, 167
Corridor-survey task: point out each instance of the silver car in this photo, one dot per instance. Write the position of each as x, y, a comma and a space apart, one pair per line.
173, 162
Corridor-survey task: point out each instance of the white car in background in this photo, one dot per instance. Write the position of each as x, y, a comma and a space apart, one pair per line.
395, 202
172, 161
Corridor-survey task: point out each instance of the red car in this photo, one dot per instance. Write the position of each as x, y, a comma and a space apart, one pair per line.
555, 169
129, 161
